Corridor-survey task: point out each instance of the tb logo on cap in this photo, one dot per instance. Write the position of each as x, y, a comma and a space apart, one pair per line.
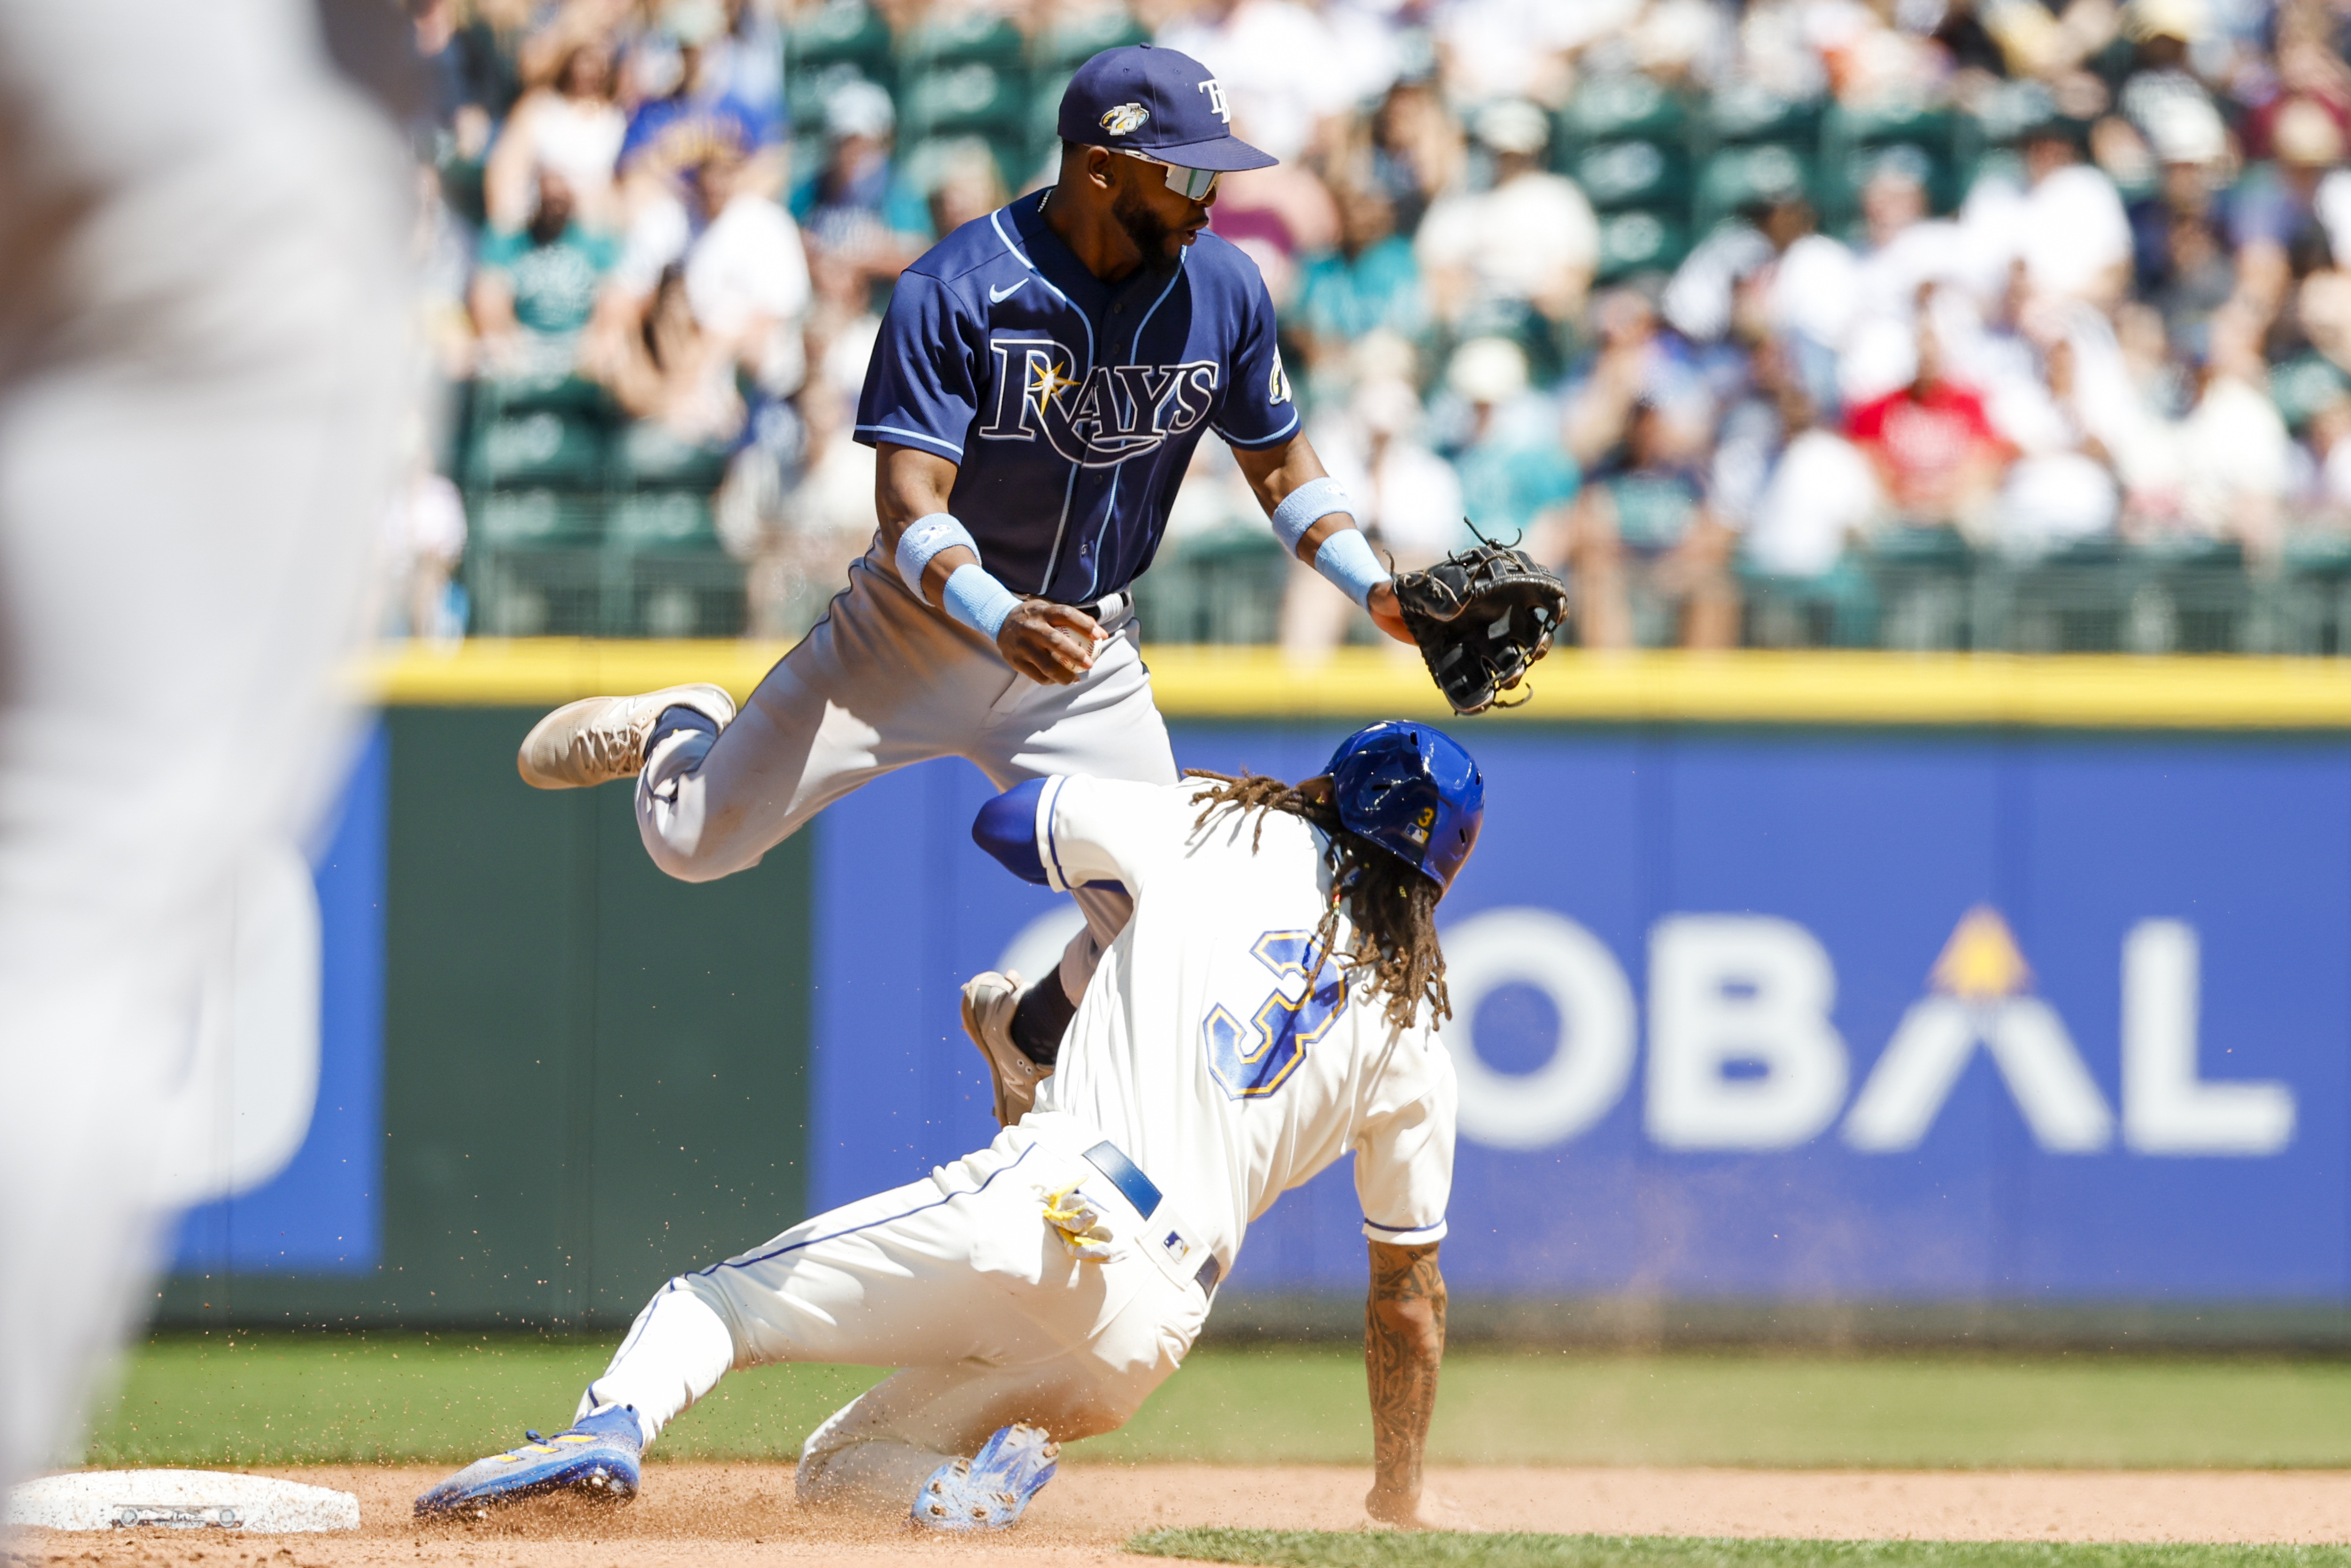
1216, 91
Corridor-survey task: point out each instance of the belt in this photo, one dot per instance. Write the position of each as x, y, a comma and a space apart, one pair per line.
1143, 1193
1103, 609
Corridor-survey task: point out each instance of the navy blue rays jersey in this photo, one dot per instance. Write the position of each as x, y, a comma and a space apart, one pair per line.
1071, 405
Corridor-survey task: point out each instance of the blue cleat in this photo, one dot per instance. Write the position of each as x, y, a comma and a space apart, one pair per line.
597, 1457
988, 1490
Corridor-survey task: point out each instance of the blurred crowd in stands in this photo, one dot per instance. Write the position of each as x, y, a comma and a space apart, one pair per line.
1735, 313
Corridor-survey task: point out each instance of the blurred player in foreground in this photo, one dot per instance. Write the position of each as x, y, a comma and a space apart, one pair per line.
200, 357
1271, 1007
1038, 387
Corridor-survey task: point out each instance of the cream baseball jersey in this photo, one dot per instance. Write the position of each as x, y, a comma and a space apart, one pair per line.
1205, 1050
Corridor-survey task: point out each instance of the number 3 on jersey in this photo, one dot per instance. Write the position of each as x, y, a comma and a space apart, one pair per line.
1256, 1058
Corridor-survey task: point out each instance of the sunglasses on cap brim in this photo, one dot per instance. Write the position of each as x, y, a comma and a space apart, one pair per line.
1191, 185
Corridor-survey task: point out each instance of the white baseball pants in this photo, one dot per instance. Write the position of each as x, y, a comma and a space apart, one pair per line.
956, 1279
885, 681
200, 370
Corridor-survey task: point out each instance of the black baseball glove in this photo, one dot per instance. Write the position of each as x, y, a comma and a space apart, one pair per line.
1481, 617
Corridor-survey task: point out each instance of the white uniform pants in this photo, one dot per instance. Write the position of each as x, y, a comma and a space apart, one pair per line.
885, 681
200, 311
957, 1280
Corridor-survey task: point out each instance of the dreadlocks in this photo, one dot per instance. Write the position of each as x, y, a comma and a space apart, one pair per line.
1392, 905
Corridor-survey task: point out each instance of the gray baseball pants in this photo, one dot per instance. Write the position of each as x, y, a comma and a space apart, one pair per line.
885, 680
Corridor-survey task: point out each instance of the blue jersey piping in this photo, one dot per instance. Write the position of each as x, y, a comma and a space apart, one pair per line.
1263, 442
902, 433
886, 1220
1133, 348
1069, 489
1403, 1229
1050, 803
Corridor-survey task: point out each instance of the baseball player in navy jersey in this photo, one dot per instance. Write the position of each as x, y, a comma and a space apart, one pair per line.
1041, 380
1271, 1008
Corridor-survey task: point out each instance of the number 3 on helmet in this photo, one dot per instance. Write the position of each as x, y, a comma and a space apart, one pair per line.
1412, 790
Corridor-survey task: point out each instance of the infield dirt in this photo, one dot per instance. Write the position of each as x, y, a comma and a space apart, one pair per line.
723, 1515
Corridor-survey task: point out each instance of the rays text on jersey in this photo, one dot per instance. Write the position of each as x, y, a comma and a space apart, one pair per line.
1101, 419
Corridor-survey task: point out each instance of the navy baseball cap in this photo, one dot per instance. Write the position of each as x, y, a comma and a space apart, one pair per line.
1158, 102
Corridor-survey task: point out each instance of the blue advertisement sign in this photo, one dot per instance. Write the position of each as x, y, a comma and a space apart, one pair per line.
1792, 1016
289, 1158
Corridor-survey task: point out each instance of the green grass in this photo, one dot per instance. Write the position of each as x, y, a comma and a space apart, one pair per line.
284, 1399
1332, 1549
1759, 1409
297, 1398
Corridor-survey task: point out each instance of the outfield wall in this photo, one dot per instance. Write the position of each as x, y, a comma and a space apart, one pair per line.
1858, 994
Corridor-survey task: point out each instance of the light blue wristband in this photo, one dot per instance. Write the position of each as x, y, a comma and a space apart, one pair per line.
1345, 558
1306, 506
925, 538
978, 599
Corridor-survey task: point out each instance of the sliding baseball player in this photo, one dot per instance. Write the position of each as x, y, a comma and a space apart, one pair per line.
1039, 384
1271, 1007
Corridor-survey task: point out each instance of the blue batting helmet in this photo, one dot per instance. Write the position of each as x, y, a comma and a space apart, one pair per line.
1413, 791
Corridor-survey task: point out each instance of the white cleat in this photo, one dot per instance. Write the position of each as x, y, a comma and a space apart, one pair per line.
598, 739
988, 1001
991, 1489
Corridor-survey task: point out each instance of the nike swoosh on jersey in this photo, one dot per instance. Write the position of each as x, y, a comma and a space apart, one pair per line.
998, 296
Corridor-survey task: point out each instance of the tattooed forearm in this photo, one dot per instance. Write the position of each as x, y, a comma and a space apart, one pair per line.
1404, 1340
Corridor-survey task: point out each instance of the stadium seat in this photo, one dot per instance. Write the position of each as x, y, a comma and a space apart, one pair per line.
974, 97
968, 76
1619, 108
841, 33
2304, 385
1640, 241
808, 91
501, 396
647, 456
2318, 553
1944, 142
535, 519
541, 449
1068, 44
1745, 111
1618, 175
461, 188
1734, 176
2197, 551
973, 38
1017, 157
664, 519
1921, 547
1046, 87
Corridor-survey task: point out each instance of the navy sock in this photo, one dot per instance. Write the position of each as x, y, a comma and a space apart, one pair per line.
1041, 1017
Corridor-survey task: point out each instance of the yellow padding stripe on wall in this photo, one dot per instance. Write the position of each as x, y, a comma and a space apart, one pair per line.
1837, 688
